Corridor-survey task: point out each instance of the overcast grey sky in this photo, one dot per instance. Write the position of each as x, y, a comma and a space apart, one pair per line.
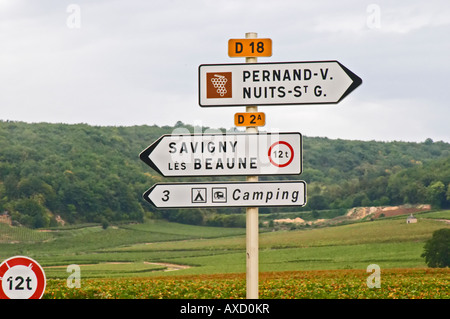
130, 62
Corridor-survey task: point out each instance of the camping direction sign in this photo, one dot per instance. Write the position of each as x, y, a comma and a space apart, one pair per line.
227, 194
317, 82
226, 154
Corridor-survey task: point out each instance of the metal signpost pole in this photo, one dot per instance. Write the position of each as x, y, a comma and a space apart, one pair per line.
252, 227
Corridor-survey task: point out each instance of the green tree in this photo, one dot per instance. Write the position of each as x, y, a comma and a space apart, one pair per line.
32, 213
189, 216
318, 202
437, 249
436, 194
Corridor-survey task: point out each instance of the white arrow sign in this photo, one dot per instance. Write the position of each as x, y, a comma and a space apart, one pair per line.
317, 82
232, 194
226, 154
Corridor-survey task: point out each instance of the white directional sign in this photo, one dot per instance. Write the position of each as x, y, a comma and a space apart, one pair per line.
226, 154
231, 194
317, 82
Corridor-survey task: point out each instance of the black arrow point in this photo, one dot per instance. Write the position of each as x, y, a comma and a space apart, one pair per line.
146, 195
144, 156
357, 81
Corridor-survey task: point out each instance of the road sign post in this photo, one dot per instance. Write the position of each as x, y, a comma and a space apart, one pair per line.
252, 223
249, 84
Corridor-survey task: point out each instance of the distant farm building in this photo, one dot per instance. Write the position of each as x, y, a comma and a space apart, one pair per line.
411, 219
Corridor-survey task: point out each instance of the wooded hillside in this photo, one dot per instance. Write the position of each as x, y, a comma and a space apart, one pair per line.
87, 173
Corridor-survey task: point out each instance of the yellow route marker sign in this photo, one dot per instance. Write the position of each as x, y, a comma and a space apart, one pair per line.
250, 119
238, 48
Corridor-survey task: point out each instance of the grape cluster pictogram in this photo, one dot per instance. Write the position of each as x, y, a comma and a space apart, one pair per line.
219, 82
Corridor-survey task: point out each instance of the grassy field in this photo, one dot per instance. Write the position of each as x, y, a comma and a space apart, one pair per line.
160, 254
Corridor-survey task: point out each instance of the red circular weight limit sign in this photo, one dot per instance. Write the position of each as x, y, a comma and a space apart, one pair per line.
284, 158
21, 278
